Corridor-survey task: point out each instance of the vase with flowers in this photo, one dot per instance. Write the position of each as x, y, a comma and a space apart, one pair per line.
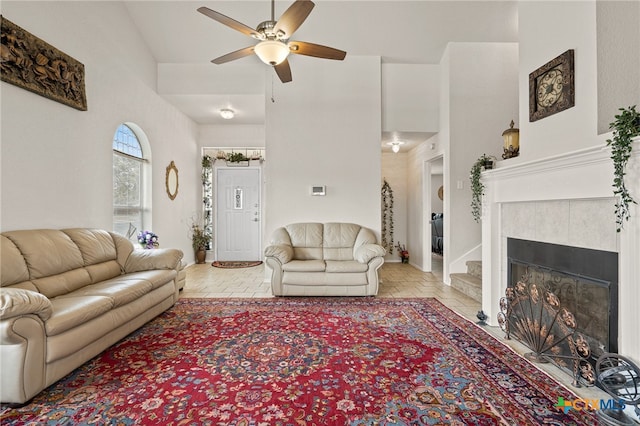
403, 252
148, 240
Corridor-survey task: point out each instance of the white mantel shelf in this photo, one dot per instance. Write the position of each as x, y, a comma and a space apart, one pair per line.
576, 179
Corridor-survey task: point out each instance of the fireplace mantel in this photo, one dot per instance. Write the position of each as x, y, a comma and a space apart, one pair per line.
523, 200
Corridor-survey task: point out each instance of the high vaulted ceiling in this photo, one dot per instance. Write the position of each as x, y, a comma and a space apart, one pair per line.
184, 41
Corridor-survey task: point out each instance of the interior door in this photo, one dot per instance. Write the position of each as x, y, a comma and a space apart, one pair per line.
238, 214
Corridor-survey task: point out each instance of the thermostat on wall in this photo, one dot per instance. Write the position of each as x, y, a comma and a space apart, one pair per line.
318, 190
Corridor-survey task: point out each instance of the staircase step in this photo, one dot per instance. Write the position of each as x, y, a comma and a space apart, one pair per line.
474, 267
468, 284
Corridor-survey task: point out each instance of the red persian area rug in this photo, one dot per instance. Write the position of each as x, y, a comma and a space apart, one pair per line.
304, 361
235, 264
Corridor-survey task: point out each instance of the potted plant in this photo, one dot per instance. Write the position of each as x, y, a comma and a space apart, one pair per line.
626, 128
484, 162
199, 241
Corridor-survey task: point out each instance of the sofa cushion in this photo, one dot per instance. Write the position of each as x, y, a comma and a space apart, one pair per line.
13, 268
70, 311
338, 240
334, 266
120, 291
66, 282
96, 246
62, 254
306, 239
304, 266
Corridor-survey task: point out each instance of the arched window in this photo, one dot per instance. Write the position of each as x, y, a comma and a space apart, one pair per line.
131, 201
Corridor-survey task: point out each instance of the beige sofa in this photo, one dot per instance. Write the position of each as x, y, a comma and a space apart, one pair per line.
332, 259
67, 295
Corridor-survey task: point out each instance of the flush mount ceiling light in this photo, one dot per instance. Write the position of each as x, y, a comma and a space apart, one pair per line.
227, 113
272, 52
395, 145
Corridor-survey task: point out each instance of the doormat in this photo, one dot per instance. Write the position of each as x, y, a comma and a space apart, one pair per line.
236, 264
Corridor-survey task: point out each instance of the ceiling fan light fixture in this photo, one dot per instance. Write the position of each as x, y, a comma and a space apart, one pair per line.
227, 113
272, 52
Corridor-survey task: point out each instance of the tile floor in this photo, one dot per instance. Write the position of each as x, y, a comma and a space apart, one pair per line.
396, 280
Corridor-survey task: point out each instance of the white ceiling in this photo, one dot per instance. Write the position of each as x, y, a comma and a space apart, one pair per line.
404, 32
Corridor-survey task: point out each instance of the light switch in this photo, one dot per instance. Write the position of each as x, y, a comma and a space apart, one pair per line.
460, 184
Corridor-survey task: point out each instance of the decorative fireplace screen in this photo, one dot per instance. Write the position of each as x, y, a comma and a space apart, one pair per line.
534, 315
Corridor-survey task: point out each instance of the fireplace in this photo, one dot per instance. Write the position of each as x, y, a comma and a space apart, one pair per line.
585, 281
566, 200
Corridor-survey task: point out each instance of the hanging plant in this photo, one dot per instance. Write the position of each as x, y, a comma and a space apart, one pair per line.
477, 187
387, 217
625, 128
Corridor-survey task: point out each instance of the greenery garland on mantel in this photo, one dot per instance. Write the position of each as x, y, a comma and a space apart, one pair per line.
387, 217
625, 128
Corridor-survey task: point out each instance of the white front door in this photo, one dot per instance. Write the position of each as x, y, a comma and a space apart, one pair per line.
238, 214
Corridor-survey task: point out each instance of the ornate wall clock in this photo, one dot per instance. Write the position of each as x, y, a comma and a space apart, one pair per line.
551, 87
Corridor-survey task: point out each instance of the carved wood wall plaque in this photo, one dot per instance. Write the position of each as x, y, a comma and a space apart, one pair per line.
33, 64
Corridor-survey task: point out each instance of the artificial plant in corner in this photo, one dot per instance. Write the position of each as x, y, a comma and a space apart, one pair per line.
625, 128
477, 187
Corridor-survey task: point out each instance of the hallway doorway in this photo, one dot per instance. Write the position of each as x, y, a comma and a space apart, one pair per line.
433, 193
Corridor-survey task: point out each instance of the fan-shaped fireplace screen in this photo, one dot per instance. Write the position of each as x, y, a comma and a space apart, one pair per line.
562, 302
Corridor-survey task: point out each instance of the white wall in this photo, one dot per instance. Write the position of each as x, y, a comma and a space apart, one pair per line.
325, 130
394, 170
483, 99
410, 97
57, 161
231, 136
548, 29
618, 58
418, 217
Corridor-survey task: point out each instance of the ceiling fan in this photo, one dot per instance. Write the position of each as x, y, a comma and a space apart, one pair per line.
274, 38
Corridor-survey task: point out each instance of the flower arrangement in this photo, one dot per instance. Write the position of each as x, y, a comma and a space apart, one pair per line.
403, 252
148, 240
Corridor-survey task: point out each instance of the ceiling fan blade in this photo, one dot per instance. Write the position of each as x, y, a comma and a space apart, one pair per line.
229, 22
316, 50
284, 71
293, 17
233, 55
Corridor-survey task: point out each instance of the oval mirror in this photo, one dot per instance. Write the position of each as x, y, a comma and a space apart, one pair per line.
171, 180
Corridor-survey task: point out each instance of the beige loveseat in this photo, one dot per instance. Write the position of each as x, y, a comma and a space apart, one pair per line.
332, 259
67, 295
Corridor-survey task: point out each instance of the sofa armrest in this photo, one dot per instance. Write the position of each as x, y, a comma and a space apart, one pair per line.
366, 252
146, 260
282, 252
15, 302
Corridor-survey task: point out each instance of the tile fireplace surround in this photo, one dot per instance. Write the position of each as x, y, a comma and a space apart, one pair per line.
566, 199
